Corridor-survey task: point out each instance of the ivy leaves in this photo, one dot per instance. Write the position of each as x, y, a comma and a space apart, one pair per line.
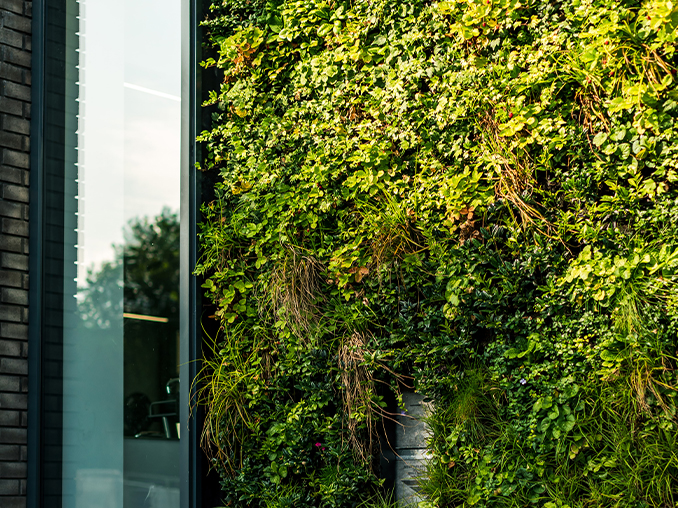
483, 193
606, 279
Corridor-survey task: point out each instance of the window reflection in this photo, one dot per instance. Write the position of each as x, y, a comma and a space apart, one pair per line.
151, 327
121, 256
149, 264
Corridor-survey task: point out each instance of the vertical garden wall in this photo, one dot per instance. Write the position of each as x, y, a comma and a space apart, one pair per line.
475, 199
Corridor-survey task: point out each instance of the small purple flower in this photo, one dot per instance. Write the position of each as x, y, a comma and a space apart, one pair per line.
318, 445
323, 448
523, 381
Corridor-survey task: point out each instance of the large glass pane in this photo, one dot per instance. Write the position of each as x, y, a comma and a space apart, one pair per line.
121, 257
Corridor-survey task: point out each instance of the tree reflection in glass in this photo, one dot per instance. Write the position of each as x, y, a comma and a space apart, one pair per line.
147, 266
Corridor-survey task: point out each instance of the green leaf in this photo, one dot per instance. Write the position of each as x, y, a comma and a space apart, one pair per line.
554, 413
618, 134
609, 149
599, 138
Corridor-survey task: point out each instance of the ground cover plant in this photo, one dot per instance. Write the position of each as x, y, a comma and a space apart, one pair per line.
476, 198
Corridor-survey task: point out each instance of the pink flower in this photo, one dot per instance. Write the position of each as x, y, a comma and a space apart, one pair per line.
319, 445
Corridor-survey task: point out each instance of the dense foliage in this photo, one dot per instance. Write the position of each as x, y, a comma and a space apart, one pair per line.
477, 197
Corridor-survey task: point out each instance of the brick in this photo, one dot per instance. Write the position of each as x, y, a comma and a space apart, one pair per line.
13, 401
12, 175
11, 313
10, 279
11, 38
16, 159
10, 452
15, 124
11, 140
13, 366
17, 56
9, 418
13, 502
15, 193
17, 91
12, 256
13, 262
12, 470
16, 22
11, 243
9, 347
11, 209
15, 296
11, 106
10, 487
16, 227
10, 384
15, 108
12, 5
12, 436
13, 331
11, 72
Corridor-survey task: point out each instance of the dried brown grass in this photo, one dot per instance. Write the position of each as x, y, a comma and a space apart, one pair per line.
358, 391
294, 291
358, 388
394, 231
514, 182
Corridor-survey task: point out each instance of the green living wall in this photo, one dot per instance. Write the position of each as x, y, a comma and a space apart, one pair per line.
474, 198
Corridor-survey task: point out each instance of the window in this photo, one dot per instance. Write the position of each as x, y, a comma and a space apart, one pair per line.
111, 327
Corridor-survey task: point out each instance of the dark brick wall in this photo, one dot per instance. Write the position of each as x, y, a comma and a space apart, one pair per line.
15, 111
